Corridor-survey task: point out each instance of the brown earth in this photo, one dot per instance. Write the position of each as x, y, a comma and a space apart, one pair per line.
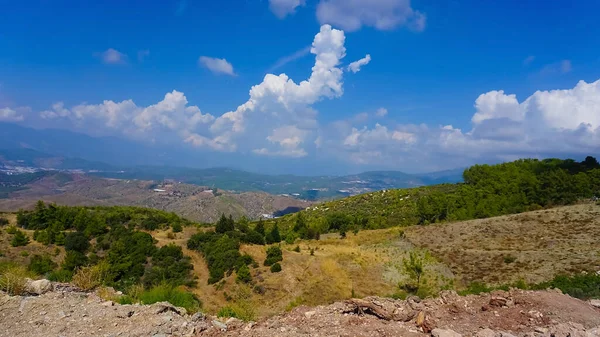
533, 246
194, 202
66, 312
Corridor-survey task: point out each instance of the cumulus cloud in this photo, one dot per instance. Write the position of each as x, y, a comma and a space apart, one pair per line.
351, 15
279, 101
11, 115
113, 56
171, 114
547, 123
355, 66
217, 65
381, 112
283, 8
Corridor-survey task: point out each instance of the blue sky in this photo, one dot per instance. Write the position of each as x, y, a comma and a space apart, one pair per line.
429, 63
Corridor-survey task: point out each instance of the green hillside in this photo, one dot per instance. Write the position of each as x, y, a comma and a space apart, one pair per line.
488, 190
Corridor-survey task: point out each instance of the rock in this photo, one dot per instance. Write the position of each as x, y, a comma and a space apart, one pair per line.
595, 303
219, 325
309, 314
162, 307
38, 287
506, 334
487, 333
497, 301
249, 326
108, 303
198, 317
444, 333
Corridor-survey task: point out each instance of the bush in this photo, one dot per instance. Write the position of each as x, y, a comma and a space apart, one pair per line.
176, 297
509, 259
297, 249
177, 228
274, 254
243, 274
60, 275
276, 268
77, 241
13, 279
88, 278
3, 221
20, 239
41, 265
582, 286
227, 311
11, 230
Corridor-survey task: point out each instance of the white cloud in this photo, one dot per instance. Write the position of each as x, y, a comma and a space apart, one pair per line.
381, 112
279, 101
547, 123
355, 66
217, 65
11, 115
113, 56
562, 67
528, 60
283, 8
172, 114
290, 58
351, 15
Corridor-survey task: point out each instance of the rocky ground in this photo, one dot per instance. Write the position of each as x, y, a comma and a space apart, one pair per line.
62, 310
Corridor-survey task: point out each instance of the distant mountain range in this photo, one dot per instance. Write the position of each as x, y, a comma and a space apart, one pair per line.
115, 158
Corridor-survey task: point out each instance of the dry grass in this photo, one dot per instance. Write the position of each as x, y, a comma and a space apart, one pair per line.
14, 279
88, 278
532, 246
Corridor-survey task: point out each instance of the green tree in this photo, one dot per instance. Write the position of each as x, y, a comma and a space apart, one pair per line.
224, 224
274, 254
19, 239
243, 274
260, 227
273, 236
77, 241
177, 228
414, 266
41, 265
275, 268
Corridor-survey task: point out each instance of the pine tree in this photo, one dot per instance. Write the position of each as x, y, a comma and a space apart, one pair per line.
20, 239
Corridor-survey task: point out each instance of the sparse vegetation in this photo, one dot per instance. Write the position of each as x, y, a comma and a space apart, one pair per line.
3, 221
275, 268
274, 255
13, 278
164, 293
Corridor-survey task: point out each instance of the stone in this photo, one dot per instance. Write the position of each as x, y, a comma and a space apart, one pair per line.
444, 333
162, 307
38, 287
108, 303
219, 325
198, 317
595, 303
487, 333
497, 301
309, 314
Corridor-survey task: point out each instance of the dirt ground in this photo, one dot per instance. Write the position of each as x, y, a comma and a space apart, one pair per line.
514, 313
533, 246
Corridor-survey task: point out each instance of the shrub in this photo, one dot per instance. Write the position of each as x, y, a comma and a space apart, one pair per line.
20, 239
227, 311
77, 241
176, 297
171, 235
3, 221
41, 265
276, 268
24, 253
509, 259
243, 274
88, 278
60, 275
74, 259
13, 279
582, 286
177, 228
274, 254
11, 230
297, 249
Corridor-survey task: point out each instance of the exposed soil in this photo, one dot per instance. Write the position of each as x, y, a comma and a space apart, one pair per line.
66, 312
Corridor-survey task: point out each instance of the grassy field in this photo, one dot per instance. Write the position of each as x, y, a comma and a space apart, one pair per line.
533, 246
